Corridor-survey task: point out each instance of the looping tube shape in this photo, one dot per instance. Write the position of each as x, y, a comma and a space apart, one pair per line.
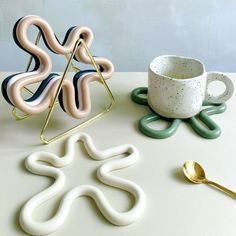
75, 96
34, 164
206, 127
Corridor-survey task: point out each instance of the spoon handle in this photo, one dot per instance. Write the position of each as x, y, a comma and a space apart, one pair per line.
222, 188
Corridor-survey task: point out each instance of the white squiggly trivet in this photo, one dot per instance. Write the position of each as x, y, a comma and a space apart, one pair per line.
103, 174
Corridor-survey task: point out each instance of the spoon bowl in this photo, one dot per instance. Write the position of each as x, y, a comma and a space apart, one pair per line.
194, 172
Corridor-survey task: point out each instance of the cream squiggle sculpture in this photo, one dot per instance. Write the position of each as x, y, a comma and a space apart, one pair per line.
103, 173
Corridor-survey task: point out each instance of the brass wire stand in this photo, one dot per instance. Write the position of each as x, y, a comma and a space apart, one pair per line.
54, 103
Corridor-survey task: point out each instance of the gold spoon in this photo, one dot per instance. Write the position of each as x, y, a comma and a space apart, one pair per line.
195, 173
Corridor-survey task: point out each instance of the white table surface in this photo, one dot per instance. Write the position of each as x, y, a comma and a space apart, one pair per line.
174, 206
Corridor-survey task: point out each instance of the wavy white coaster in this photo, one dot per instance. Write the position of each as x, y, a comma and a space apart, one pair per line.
103, 173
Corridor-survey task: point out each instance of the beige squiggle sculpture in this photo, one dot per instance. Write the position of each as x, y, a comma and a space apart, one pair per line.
75, 97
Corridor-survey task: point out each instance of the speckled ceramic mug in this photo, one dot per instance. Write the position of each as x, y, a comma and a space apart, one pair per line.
178, 86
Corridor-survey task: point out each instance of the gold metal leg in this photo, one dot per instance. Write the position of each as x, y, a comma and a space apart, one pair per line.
55, 102
18, 116
75, 68
110, 95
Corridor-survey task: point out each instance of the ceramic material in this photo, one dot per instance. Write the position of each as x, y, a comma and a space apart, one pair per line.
75, 96
103, 174
178, 86
207, 128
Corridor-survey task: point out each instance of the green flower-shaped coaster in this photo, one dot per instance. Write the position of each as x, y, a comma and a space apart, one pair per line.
202, 124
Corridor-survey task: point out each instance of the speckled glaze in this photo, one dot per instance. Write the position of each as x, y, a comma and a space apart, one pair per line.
178, 86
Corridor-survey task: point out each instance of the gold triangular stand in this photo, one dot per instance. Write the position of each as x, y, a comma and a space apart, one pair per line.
52, 106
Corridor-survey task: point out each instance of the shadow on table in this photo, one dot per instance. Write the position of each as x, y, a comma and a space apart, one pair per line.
177, 174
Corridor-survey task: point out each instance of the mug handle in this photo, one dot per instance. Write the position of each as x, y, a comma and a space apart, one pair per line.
223, 97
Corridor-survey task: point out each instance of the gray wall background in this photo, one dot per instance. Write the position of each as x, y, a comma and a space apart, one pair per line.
132, 32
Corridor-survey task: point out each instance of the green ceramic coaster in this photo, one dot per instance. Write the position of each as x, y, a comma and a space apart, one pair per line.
202, 124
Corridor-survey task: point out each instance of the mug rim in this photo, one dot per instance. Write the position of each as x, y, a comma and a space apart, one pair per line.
179, 57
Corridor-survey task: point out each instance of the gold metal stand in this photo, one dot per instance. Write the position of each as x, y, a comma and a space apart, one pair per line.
79, 42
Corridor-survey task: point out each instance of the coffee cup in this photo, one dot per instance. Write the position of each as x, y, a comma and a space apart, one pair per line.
178, 86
